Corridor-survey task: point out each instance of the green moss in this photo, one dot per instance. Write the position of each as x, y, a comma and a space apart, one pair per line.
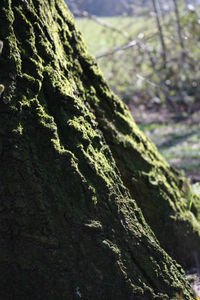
158, 189
2, 88
94, 225
30, 82
69, 219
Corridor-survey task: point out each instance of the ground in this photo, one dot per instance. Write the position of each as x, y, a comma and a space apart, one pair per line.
194, 278
176, 136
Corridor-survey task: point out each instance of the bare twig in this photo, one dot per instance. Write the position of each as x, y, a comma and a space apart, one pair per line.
147, 81
85, 14
125, 46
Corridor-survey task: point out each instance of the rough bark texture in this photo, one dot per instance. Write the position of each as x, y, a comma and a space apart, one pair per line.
72, 161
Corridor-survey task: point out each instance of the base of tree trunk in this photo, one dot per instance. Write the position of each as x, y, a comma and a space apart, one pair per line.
72, 161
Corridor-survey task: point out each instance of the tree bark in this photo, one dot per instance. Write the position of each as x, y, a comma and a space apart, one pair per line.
160, 31
179, 29
72, 163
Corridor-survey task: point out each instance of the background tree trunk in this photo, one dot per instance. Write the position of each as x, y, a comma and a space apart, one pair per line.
160, 30
72, 161
179, 29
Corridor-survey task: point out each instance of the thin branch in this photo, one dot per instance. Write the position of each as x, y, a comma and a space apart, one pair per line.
85, 14
113, 50
125, 46
147, 81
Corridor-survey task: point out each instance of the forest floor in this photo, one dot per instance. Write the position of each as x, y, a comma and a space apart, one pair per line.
178, 140
194, 278
177, 137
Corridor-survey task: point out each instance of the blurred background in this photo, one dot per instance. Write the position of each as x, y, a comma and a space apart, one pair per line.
149, 52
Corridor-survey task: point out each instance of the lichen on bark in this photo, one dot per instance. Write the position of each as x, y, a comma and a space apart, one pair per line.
73, 162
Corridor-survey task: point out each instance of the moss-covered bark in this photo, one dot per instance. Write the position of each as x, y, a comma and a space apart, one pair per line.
72, 161
166, 198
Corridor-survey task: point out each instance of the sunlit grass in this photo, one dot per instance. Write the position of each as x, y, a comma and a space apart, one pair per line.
179, 143
100, 39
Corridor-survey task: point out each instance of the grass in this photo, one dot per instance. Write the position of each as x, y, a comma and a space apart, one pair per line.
100, 39
178, 142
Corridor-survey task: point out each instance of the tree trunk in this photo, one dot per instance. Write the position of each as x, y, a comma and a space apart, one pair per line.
179, 29
160, 31
72, 161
